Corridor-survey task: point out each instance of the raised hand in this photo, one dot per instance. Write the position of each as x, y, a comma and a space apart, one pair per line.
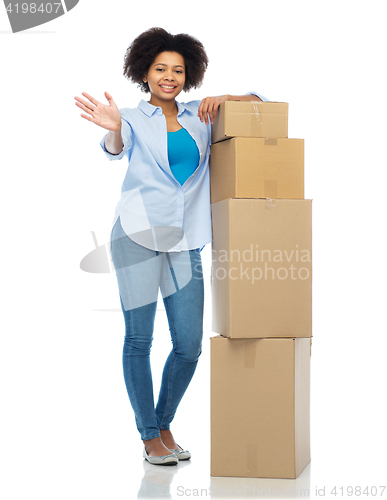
105, 116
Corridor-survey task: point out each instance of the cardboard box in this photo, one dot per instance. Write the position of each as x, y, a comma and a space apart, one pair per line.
261, 270
260, 407
250, 119
257, 168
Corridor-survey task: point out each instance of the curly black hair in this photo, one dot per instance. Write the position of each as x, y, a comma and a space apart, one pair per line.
146, 47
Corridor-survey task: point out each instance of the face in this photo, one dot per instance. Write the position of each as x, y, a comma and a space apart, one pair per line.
166, 77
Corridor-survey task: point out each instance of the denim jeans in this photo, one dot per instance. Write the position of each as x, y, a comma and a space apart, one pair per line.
140, 273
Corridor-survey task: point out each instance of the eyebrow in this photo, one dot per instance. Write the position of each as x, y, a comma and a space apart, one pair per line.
176, 65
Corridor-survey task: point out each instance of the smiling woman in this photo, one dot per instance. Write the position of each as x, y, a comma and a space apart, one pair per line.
144, 50
162, 221
166, 79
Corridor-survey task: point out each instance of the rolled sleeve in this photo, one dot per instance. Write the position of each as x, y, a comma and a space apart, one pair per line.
258, 95
126, 133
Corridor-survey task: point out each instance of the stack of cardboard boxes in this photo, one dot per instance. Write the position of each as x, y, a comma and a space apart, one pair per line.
261, 294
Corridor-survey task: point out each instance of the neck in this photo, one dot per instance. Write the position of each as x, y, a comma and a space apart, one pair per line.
168, 107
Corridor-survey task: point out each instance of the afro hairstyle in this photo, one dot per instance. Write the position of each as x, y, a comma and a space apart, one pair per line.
146, 47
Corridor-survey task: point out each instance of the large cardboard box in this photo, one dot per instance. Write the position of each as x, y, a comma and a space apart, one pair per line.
250, 119
257, 168
260, 407
261, 271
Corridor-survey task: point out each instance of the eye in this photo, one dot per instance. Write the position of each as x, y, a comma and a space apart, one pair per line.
159, 69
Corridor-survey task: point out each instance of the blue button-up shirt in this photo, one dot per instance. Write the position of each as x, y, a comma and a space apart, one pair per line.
155, 210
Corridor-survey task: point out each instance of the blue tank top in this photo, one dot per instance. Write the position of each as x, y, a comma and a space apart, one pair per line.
183, 155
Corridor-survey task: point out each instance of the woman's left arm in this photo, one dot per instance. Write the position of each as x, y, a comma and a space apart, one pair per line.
209, 105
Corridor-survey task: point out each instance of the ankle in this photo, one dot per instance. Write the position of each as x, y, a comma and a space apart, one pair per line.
151, 443
155, 446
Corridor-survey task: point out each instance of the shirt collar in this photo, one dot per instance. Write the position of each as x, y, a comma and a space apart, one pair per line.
149, 109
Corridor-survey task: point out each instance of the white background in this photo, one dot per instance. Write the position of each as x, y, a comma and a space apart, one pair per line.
67, 429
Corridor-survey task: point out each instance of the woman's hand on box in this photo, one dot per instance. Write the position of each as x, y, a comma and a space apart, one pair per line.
208, 109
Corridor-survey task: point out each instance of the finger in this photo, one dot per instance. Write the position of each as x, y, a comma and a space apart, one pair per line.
85, 108
91, 119
210, 112
214, 111
108, 96
85, 103
110, 99
200, 110
204, 110
94, 101
201, 104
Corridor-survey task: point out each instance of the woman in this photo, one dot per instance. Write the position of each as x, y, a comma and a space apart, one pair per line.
162, 221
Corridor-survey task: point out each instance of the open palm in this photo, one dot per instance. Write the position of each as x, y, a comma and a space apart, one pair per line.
105, 116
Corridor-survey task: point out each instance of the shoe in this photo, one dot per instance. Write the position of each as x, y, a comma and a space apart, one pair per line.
162, 460
181, 454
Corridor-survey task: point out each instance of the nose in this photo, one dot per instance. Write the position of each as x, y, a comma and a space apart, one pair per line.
169, 76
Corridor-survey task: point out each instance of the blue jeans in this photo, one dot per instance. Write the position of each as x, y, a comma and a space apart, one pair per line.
140, 272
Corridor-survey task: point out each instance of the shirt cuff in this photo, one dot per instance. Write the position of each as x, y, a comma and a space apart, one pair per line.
258, 95
126, 133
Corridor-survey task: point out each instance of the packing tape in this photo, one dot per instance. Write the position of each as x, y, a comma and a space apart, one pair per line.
270, 188
270, 141
250, 353
270, 204
256, 120
251, 448
252, 458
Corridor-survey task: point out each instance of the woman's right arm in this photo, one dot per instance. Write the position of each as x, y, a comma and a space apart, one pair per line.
108, 117
114, 142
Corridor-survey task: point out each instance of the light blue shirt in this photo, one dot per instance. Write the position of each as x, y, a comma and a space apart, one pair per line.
155, 210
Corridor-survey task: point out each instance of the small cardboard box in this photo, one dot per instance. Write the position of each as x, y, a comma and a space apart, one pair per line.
250, 119
257, 168
261, 271
260, 407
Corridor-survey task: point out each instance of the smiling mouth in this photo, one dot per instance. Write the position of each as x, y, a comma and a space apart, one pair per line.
168, 87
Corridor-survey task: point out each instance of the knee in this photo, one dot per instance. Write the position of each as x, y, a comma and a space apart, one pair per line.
135, 347
189, 352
